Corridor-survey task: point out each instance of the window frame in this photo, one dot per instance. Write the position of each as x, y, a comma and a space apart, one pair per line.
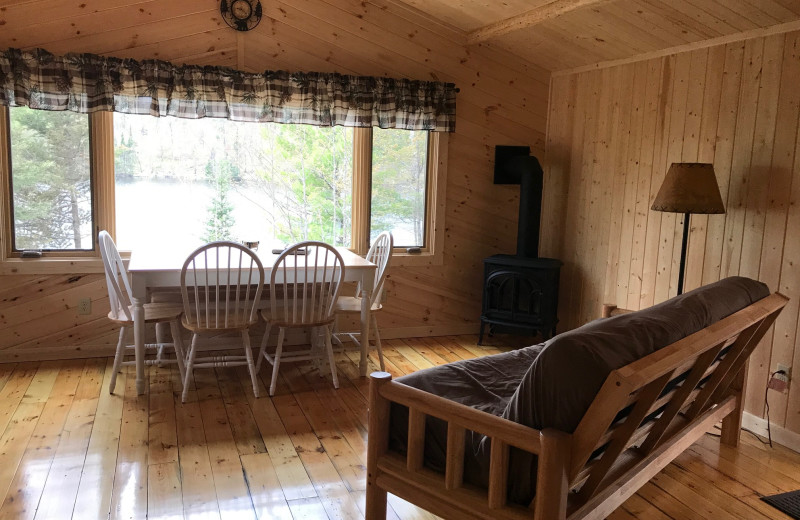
101, 128
431, 252
8, 185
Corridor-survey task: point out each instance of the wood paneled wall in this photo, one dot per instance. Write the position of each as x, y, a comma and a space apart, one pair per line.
612, 135
503, 100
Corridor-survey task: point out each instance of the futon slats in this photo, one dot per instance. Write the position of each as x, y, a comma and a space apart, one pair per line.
454, 465
681, 395
498, 474
621, 437
459, 418
416, 440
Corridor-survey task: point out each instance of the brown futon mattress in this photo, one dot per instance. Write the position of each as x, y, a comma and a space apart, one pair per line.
552, 384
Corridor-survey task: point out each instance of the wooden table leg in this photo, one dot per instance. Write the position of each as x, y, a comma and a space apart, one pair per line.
138, 338
365, 314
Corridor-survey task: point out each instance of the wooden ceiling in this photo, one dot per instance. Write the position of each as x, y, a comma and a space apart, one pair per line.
555, 35
567, 34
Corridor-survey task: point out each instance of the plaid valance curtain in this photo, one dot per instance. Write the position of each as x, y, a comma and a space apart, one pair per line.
87, 83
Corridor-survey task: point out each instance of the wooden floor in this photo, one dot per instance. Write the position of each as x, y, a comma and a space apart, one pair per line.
69, 449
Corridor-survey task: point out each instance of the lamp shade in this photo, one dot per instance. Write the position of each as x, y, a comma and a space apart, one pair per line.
689, 188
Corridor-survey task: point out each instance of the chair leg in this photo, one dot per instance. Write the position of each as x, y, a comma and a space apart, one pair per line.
331, 360
177, 341
263, 348
378, 342
117, 360
319, 347
277, 362
189, 367
248, 352
160, 342
335, 331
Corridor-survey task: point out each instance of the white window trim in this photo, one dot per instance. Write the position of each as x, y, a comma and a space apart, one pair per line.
102, 151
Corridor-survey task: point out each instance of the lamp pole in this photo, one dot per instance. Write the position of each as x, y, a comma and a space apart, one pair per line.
684, 247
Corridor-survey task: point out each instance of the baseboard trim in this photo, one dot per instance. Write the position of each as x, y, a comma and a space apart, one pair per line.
75, 351
780, 434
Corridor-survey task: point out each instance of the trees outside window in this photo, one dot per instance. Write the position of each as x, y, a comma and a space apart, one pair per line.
399, 181
50, 180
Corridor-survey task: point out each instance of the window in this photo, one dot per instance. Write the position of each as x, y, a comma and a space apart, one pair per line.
213, 179
177, 183
50, 181
399, 185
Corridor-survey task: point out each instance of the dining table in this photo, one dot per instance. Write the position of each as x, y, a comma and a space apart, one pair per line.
161, 268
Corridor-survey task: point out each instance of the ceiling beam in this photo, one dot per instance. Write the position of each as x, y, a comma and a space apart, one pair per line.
543, 13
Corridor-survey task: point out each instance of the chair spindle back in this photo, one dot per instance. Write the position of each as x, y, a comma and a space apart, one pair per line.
118, 294
380, 253
310, 284
221, 284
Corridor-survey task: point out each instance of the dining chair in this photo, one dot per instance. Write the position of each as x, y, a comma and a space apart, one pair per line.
221, 284
380, 254
310, 274
119, 290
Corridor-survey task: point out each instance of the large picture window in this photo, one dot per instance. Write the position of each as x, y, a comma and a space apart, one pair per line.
182, 183
178, 183
50, 181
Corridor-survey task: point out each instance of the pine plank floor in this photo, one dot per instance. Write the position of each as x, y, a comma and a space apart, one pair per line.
69, 449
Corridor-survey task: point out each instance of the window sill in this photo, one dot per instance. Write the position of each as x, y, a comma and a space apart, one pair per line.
63, 265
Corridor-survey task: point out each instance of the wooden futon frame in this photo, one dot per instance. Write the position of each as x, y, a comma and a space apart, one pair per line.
571, 482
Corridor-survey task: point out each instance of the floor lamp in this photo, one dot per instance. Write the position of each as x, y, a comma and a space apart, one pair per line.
689, 188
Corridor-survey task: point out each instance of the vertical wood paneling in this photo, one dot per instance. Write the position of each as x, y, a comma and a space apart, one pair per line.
736, 106
762, 174
723, 157
633, 176
654, 71
779, 192
651, 244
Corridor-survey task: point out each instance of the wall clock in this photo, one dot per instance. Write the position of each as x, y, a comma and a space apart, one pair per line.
242, 15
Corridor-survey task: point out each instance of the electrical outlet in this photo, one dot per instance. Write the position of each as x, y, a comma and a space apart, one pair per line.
785, 368
85, 306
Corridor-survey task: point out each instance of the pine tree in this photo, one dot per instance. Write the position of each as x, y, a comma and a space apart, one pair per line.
220, 222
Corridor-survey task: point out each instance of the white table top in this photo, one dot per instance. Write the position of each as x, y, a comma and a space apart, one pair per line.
153, 260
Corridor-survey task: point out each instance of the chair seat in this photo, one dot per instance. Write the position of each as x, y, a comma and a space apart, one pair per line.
266, 315
233, 326
353, 304
155, 312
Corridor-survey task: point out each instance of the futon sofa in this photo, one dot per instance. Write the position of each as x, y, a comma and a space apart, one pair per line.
571, 427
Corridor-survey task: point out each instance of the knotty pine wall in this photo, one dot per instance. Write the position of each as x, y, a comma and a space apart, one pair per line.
612, 135
503, 100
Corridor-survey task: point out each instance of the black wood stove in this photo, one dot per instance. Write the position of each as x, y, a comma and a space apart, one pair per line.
520, 292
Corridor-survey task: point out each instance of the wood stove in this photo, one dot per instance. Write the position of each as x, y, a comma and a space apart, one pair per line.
520, 292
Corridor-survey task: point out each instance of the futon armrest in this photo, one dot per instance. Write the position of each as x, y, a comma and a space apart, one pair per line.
511, 433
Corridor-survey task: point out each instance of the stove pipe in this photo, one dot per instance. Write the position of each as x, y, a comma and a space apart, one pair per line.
515, 165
